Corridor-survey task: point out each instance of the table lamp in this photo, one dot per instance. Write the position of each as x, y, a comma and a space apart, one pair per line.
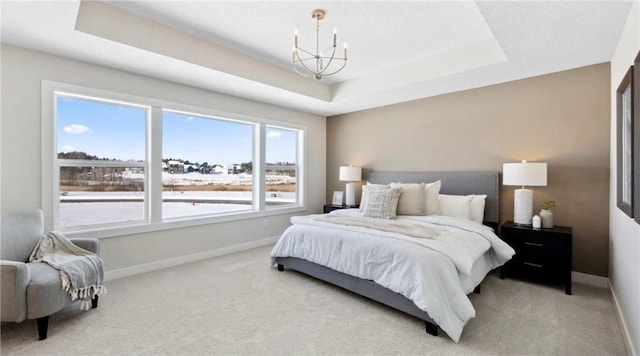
350, 174
524, 174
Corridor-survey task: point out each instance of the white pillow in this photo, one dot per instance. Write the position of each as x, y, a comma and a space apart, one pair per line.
412, 196
432, 190
477, 208
363, 199
455, 205
381, 203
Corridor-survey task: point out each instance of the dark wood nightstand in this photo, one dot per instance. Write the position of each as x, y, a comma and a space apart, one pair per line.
541, 254
330, 207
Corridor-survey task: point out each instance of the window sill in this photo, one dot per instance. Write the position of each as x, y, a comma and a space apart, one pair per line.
123, 230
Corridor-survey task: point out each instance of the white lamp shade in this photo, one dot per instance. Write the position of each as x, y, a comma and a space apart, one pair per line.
350, 174
530, 174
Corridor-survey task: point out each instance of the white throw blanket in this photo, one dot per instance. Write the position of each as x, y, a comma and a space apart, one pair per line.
461, 246
408, 228
81, 271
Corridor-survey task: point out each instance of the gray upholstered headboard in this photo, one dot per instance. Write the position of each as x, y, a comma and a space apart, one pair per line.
455, 183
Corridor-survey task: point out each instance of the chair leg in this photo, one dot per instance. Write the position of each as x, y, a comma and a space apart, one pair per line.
43, 325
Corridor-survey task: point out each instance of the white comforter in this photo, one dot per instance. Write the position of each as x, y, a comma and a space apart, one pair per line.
427, 271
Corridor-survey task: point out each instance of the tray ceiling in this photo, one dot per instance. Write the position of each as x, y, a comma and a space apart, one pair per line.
398, 51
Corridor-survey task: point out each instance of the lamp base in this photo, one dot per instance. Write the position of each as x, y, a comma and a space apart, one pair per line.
522, 206
350, 199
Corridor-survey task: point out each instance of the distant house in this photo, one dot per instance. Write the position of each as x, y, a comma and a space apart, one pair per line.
190, 168
205, 169
165, 167
176, 167
220, 169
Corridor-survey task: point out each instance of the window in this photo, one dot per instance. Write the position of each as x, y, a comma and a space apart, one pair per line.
121, 162
206, 165
100, 161
281, 167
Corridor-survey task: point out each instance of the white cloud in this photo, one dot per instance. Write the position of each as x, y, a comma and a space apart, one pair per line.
68, 148
77, 129
273, 134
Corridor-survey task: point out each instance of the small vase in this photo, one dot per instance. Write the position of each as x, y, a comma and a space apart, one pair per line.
546, 217
535, 222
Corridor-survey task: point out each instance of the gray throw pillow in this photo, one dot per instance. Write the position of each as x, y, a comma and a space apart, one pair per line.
382, 203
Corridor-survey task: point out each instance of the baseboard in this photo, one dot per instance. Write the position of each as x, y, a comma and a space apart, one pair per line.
157, 265
589, 279
623, 324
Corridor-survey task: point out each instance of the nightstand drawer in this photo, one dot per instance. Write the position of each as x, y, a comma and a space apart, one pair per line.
541, 270
539, 261
538, 246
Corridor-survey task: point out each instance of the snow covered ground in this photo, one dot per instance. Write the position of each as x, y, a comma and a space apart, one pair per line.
75, 214
87, 208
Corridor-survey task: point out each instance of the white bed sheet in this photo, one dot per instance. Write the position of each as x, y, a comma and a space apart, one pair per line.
426, 276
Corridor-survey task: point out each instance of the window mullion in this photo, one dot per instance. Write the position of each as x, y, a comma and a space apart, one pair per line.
301, 152
153, 190
259, 166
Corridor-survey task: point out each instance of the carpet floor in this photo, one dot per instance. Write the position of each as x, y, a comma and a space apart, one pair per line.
237, 305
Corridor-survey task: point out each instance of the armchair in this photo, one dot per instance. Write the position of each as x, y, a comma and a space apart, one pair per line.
30, 290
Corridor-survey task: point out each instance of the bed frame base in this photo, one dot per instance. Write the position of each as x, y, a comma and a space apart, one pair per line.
365, 288
432, 329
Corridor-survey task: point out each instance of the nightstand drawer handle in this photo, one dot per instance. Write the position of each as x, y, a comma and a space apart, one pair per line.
533, 264
533, 244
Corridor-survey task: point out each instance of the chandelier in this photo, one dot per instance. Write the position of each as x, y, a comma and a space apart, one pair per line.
317, 64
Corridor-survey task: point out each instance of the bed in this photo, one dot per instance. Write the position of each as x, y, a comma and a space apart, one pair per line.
449, 313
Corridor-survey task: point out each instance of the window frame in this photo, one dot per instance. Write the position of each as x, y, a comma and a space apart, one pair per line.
299, 157
153, 170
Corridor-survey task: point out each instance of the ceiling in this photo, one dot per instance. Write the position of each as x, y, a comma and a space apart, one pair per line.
398, 50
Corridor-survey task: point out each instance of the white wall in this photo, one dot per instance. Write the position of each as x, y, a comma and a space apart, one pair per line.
624, 243
22, 74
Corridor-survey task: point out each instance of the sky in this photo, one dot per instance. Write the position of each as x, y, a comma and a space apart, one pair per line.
116, 131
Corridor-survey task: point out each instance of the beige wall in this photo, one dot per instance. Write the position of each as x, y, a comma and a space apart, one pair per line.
624, 253
561, 119
22, 74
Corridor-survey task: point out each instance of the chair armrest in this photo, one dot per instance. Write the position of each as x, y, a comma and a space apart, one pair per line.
92, 245
14, 278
